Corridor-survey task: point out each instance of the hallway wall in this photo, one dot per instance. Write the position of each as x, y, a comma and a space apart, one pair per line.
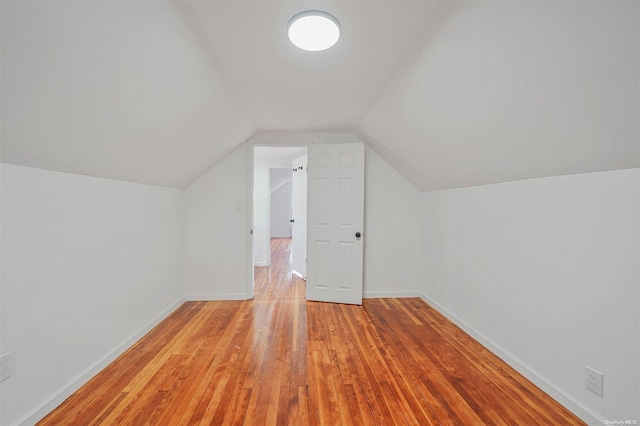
281, 211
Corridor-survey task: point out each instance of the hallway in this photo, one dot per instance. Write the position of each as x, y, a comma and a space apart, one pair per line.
277, 281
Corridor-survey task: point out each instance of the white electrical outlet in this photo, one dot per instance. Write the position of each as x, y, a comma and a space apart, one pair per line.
5, 366
593, 380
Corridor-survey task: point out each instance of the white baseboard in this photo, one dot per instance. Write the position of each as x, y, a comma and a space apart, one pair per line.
210, 297
389, 294
531, 374
296, 273
58, 397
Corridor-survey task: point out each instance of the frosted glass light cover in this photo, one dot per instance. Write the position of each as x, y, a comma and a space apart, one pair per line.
314, 30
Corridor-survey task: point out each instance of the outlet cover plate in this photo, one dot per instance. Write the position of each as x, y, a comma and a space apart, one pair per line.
593, 380
6, 367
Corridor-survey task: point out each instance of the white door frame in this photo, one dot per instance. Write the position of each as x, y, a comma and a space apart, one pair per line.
249, 235
278, 139
250, 211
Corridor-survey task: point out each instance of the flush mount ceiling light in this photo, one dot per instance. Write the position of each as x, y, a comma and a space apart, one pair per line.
313, 30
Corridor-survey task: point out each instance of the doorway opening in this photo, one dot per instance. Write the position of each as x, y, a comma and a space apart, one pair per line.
331, 233
277, 218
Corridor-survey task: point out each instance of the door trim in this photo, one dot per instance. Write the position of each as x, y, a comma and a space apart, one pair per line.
279, 139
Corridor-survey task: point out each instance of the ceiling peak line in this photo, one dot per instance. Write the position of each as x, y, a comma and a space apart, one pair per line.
444, 7
187, 13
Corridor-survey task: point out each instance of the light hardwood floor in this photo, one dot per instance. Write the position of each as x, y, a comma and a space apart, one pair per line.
279, 360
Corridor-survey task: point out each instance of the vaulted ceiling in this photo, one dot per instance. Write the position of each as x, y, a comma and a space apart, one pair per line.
451, 94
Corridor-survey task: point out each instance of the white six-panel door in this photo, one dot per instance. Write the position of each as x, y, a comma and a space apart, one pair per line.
335, 222
299, 224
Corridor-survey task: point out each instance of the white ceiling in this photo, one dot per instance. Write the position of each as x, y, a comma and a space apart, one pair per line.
113, 89
500, 91
451, 94
285, 88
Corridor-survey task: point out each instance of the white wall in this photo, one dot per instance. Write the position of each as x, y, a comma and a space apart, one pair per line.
216, 234
216, 256
281, 211
88, 265
1, 285
545, 271
391, 235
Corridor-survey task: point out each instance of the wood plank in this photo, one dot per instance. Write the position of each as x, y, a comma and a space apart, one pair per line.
280, 360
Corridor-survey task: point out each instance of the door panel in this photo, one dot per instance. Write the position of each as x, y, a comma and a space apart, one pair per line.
299, 225
335, 215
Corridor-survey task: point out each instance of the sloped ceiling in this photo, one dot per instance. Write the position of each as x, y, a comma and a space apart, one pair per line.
120, 90
450, 93
285, 88
500, 91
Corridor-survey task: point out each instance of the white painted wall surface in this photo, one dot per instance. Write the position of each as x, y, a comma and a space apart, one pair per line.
281, 211
215, 233
391, 234
1, 285
546, 271
88, 264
